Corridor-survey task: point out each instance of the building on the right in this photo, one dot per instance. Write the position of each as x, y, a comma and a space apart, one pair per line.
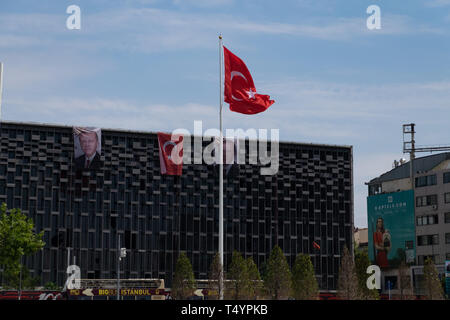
360, 238
409, 219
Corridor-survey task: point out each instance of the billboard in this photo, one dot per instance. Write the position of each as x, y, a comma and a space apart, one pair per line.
87, 148
391, 228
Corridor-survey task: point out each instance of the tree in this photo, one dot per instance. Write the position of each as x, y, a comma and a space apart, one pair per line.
348, 288
362, 262
183, 280
304, 282
278, 275
433, 285
238, 273
51, 286
404, 282
215, 272
16, 280
254, 287
17, 239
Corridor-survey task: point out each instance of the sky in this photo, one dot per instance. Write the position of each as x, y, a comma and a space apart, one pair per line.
153, 65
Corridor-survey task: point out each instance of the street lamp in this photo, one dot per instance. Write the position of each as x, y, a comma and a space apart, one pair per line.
20, 279
121, 253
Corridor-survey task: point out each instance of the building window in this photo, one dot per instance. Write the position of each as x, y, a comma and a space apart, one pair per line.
422, 259
447, 197
426, 181
374, 189
428, 240
435, 239
422, 201
447, 238
432, 219
425, 220
446, 177
447, 217
409, 244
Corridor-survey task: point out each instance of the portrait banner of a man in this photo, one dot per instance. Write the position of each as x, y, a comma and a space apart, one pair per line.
87, 148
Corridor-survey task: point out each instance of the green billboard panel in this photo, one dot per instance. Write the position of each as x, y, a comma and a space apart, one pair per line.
391, 228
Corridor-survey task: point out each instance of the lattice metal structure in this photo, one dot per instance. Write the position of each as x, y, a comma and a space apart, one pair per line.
124, 283
310, 199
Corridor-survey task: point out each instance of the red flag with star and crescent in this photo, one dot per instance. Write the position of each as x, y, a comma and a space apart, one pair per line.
240, 91
170, 153
316, 245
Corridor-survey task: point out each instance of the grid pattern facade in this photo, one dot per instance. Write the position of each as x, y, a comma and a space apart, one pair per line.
310, 199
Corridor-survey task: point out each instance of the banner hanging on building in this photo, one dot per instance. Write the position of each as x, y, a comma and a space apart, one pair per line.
170, 154
87, 148
391, 228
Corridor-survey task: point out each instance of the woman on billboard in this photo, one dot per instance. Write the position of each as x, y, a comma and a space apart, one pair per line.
382, 244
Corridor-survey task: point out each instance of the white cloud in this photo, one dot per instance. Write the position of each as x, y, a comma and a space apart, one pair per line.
354, 101
108, 113
27, 73
309, 111
150, 29
32, 22
203, 3
437, 3
18, 41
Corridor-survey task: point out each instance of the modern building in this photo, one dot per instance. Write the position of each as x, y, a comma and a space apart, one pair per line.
430, 209
360, 237
158, 216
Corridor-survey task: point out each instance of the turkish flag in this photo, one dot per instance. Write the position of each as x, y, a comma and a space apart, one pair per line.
240, 91
316, 245
170, 154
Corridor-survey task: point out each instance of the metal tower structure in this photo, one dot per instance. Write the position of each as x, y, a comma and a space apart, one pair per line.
409, 146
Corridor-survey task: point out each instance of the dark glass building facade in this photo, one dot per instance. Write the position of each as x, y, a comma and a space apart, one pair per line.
157, 217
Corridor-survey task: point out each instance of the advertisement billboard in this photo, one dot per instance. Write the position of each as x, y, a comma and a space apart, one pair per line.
391, 228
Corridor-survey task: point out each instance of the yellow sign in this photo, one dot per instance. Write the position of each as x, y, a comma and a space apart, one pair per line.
113, 292
135, 292
74, 292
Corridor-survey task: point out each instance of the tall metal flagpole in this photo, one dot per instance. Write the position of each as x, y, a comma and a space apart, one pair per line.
221, 176
1, 88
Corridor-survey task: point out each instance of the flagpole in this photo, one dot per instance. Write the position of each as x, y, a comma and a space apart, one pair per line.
1, 88
221, 176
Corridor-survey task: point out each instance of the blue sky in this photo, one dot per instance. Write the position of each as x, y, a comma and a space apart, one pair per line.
153, 65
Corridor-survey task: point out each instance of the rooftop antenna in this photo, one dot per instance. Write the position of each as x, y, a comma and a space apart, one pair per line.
409, 146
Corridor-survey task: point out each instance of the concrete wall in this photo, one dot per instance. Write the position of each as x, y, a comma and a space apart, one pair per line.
396, 185
361, 236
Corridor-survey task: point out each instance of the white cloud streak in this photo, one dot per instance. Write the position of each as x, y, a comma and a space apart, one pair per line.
203, 3
437, 3
152, 30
